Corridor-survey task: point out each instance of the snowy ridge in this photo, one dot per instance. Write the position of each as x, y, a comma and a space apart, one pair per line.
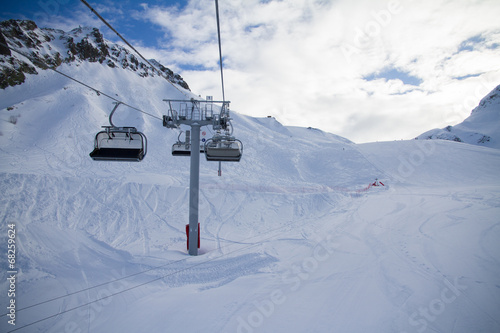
482, 127
290, 239
49, 48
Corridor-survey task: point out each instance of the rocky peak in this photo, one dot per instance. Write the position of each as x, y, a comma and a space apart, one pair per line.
489, 101
49, 48
482, 127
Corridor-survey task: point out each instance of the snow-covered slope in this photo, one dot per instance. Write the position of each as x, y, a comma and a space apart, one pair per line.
293, 238
49, 48
482, 127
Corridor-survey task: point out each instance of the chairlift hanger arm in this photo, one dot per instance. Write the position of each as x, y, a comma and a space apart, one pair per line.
112, 112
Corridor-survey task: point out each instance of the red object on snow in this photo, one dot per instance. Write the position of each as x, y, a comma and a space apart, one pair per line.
187, 234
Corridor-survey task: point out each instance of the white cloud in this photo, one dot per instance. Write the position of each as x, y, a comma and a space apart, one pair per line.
66, 15
303, 61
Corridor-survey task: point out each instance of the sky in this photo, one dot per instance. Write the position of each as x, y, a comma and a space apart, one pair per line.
368, 70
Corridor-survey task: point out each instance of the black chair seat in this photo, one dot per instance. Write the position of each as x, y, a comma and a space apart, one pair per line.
117, 154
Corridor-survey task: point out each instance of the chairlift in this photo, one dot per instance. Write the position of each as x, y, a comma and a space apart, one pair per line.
181, 148
223, 148
123, 144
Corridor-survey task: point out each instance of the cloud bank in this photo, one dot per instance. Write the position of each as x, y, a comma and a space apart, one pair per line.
366, 70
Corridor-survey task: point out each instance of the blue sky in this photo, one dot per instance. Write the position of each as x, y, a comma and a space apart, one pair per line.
64, 14
368, 70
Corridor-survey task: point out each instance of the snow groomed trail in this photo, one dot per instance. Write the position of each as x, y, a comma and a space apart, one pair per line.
290, 239
408, 257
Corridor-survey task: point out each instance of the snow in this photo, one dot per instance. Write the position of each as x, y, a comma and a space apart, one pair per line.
292, 238
480, 128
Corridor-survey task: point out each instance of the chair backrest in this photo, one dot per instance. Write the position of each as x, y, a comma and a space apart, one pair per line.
223, 150
119, 144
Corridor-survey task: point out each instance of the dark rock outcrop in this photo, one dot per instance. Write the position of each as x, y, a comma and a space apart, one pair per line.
49, 48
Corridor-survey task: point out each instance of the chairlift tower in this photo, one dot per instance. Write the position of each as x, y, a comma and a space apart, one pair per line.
126, 144
196, 114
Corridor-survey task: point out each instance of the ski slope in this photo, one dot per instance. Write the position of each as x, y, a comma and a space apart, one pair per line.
292, 237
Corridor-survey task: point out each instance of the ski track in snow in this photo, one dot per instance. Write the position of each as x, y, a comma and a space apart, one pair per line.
292, 237
379, 252
381, 249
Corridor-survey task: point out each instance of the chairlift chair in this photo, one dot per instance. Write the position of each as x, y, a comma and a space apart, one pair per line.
124, 144
183, 148
223, 148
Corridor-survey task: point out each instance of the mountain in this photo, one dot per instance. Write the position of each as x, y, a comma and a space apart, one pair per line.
49, 48
294, 237
482, 127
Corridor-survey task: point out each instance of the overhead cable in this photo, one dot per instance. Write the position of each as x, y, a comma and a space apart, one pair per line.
44, 66
151, 281
130, 45
244, 241
220, 48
